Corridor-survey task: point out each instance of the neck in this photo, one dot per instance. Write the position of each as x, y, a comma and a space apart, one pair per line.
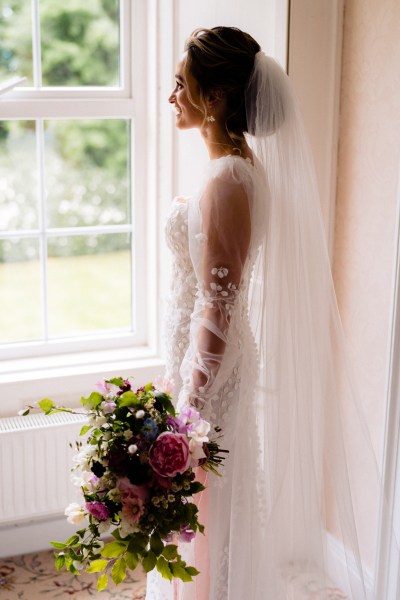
218, 142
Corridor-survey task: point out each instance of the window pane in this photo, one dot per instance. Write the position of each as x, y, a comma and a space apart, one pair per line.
16, 40
80, 42
87, 172
89, 283
18, 175
20, 295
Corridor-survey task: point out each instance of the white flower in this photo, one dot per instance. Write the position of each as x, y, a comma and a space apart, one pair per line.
140, 414
199, 431
97, 420
74, 513
104, 526
196, 453
132, 449
126, 528
78, 565
164, 384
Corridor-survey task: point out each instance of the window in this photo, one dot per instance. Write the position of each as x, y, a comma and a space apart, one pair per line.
72, 235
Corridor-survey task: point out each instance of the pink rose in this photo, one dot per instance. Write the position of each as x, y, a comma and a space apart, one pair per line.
129, 490
132, 509
169, 454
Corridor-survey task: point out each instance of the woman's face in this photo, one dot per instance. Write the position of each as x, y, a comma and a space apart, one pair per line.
187, 115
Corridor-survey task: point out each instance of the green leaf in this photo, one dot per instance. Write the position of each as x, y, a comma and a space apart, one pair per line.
74, 539
128, 399
113, 549
58, 545
164, 568
165, 402
94, 400
118, 381
46, 405
137, 546
102, 582
60, 561
156, 544
149, 561
170, 552
180, 572
118, 572
25, 412
85, 429
97, 565
192, 571
132, 560
196, 487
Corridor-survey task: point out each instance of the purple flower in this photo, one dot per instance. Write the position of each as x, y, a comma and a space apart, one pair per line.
186, 534
173, 423
108, 407
98, 510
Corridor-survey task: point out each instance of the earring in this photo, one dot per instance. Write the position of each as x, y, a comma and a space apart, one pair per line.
210, 119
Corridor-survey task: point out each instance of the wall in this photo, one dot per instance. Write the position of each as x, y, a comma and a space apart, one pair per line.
366, 208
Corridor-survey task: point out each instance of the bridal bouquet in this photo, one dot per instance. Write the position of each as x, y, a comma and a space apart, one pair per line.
136, 472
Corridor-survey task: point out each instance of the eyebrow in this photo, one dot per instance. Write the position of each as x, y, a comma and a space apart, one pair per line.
179, 77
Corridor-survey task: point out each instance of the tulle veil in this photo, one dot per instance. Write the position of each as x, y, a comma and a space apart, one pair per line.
317, 482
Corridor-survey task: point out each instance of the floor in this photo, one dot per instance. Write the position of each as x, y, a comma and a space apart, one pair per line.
34, 577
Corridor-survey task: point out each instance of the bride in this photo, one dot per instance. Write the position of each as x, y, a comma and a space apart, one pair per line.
254, 341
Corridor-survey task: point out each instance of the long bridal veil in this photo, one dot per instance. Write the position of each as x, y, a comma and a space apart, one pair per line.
322, 484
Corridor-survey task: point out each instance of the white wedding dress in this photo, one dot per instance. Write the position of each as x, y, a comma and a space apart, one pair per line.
283, 521
214, 240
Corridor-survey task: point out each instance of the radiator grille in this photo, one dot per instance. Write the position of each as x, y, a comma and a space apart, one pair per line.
35, 465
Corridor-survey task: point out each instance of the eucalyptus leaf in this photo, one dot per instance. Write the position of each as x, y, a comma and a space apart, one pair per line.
118, 572
85, 429
128, 399
156, 544
102, 582
46, 405
132, 560
180, 572
149, 561
97, 565
164, 568
170, 552
113, 549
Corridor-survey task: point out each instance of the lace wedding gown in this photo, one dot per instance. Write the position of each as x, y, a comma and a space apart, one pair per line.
214, 238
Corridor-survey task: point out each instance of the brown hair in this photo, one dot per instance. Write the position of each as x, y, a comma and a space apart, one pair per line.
222, 58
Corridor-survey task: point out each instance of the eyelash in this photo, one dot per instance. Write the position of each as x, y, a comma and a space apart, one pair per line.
179, 86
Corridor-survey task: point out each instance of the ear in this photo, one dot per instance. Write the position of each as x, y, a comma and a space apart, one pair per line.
215, 97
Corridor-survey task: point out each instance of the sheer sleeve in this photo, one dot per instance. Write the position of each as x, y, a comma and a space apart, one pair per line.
219, 252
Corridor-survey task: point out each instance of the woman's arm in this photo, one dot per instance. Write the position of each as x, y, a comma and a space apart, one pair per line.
225, 229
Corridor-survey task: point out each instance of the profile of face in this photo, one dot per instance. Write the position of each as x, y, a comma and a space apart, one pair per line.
188, 116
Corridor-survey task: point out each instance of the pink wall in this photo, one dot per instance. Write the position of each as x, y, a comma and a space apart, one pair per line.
366, 210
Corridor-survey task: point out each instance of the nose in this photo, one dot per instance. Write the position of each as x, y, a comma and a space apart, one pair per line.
171, 99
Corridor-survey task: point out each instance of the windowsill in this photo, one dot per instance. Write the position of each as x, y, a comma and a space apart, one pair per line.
66, 377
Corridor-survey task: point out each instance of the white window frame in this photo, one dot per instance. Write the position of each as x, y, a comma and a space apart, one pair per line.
34, 365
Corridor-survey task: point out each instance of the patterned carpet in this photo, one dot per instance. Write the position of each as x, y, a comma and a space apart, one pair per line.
34, 577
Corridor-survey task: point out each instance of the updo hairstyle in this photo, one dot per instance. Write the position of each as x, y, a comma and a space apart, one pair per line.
222, 59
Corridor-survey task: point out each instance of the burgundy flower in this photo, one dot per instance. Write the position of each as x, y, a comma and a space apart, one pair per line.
169, 454
98, 510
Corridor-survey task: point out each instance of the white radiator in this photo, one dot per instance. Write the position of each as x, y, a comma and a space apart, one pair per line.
35, 466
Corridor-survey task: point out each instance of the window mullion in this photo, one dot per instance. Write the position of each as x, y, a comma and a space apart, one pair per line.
36, 49
42, 224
